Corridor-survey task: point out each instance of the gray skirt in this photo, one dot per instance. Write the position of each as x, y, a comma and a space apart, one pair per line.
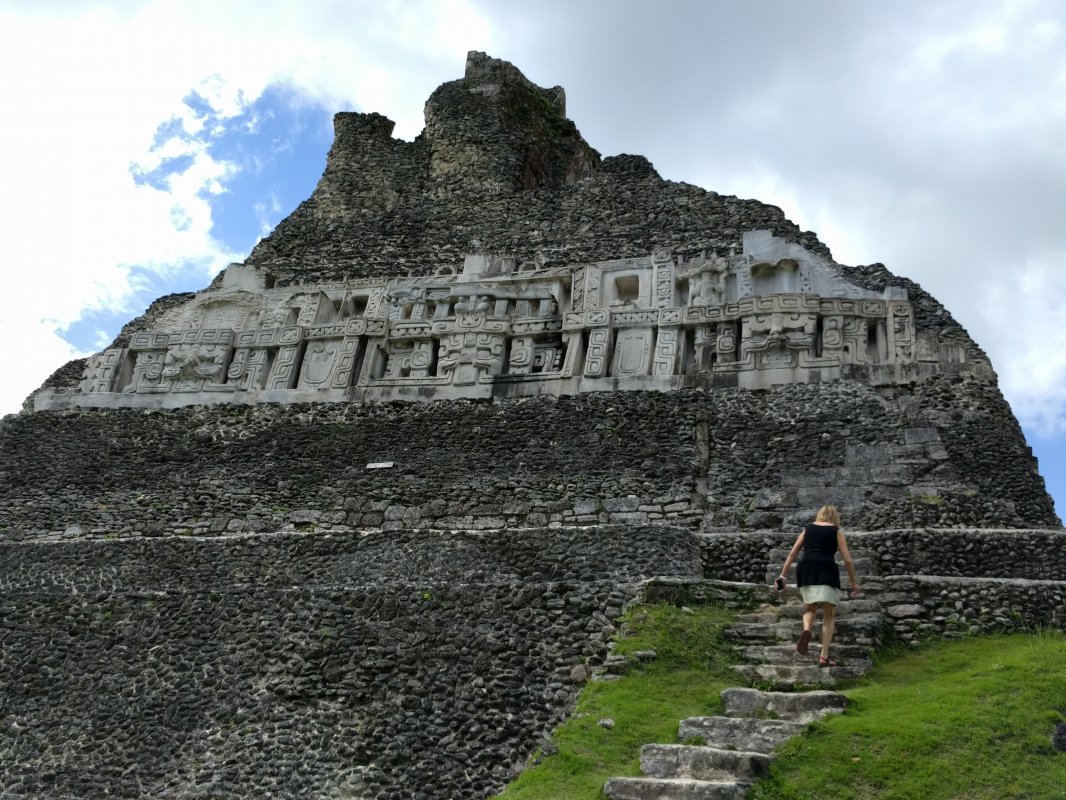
820, 593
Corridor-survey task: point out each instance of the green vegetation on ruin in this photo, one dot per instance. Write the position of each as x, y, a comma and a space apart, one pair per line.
691, 667
969, 718
965, 719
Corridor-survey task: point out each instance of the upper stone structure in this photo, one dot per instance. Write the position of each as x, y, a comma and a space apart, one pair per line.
498, 255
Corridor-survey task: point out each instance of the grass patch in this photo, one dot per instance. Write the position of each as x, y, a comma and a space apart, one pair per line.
691, 667
953, 720
961, 720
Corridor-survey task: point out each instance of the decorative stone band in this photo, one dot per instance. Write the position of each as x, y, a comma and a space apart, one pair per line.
775, 314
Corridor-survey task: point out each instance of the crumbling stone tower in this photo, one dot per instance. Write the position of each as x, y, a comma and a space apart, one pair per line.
356, 517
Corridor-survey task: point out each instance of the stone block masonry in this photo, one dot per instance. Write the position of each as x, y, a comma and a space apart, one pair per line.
931, 583
942, 453
972, 554
260, 468
424, 664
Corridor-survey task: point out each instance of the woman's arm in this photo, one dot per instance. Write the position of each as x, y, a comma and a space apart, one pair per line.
792, 555
846, 554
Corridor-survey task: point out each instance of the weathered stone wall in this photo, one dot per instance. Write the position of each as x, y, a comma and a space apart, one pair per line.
916, 607
498, 169
404, 664
943, 454
908, 457
1035, 555
612, 213
926, 607
593, 459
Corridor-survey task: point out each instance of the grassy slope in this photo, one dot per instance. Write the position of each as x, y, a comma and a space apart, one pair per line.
684, 680
950, 721
969, 719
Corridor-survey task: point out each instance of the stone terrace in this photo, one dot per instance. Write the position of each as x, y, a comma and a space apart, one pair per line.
946, 453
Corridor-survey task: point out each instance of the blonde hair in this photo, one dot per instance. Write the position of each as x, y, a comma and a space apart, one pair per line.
828, 514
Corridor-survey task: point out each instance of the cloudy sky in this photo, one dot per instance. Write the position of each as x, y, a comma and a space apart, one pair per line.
147, 143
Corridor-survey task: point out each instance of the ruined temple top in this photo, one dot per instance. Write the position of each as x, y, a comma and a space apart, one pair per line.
498, 168
498, 254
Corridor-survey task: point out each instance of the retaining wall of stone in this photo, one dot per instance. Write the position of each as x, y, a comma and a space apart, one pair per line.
919, 607
408, 664
944, 453
1030, 555
916, 607
458, 465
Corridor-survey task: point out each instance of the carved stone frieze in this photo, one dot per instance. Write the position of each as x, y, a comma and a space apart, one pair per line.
774, 313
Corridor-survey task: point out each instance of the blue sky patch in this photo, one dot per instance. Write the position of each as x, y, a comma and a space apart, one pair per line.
278, 146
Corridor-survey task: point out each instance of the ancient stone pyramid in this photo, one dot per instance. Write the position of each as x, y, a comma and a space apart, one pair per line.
355, 518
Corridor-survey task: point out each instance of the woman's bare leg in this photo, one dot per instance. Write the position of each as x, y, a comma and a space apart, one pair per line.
809, 611
829, 622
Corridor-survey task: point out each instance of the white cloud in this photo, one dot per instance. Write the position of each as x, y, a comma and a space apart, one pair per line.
1027, 315
88, 86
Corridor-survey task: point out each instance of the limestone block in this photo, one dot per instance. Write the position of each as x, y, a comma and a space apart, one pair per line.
586, 505
804, 707
393, 513
905, 610
702, 762
672, 789
629, 517
920, 435
746, 734
621, 504
892, 475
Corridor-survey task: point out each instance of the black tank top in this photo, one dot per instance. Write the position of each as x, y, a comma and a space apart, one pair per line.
816, 566
819, 542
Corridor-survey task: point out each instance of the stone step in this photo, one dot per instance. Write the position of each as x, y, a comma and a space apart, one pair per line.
703, 763
796, 706
739, 733
784, 677
855, 629
847, 654
672, 789
792, 608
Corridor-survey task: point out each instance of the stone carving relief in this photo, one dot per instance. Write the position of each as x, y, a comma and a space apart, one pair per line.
709, 285
777, 339
102, 371
471, 357
773, 313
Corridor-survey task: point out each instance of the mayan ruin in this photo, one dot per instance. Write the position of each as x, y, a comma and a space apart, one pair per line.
359, 519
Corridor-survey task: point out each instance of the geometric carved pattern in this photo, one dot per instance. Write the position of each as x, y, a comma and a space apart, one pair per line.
598, 351
632, 351
665, 352
595, 321
663, 261
102, 371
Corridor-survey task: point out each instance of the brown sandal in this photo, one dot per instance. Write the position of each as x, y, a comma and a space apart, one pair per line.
803, 643
826, 662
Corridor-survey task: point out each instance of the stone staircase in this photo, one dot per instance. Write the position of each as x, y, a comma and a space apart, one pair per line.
793, 691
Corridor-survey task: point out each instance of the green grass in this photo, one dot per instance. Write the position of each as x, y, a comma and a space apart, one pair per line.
691, 668
969, 720
960, 720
